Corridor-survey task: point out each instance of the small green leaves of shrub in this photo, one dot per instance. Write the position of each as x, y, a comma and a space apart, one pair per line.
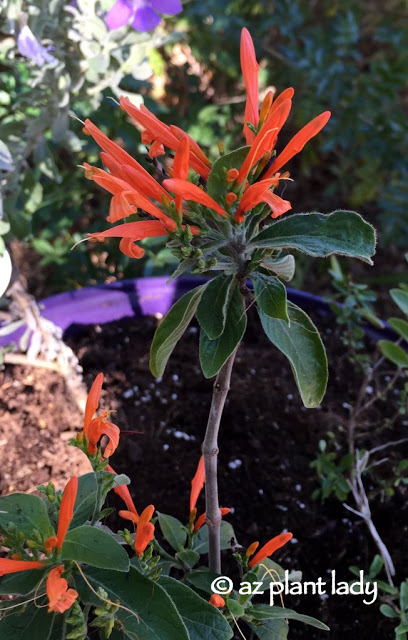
394, 353
95, 547
172, 328
214, 353
301, 343
321, 235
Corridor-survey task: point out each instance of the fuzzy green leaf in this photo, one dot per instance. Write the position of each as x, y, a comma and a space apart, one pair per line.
203, 620
213, 306
94, 547
321, 235
26, 511
173, 530
169, 332
270, 295
301, 343
214, 353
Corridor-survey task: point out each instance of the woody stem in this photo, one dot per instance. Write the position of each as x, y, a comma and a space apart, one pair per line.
210, 453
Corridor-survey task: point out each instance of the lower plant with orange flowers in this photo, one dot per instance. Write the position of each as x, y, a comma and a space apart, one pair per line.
222, 217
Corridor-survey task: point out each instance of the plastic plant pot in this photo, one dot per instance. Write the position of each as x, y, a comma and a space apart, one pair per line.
139, 297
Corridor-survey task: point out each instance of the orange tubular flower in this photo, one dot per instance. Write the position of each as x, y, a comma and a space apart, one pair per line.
123, 492
181, 167
259, 192
66, 512
266, 137
165, 135
298, 142
197, 483
95, 428
250, 71
270, 547
59, 596
201, 520
191, 192
217, 600
144, 528
7, 565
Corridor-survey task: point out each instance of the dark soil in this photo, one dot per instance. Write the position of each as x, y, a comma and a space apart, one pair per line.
267, 442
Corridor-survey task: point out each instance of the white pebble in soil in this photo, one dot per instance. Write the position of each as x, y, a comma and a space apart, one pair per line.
235, 464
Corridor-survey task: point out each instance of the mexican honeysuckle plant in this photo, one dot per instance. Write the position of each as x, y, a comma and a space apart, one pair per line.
223, 218
74, 578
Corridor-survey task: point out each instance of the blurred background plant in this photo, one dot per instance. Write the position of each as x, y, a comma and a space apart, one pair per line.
347, 56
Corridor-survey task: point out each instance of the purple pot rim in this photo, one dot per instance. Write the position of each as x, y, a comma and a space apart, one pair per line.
137, 297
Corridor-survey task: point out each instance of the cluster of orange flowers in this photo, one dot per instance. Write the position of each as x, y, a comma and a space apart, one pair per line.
133, 188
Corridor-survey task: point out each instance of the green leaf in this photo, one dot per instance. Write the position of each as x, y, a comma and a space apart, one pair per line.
172, 327
188, 557
321, 235
270, 295
271, 630
394, 353
265, 612
400, 326
85, 500
203, 620
32, 624
94, 547
21, 583
235, 607
217, 185
173, 530
212, 309
283, 267
400, 298
200, 543
152, 614
202, 579
300, 342
214, 353
27, 512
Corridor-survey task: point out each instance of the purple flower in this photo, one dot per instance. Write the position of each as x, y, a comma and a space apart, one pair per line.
142, 14
29, 47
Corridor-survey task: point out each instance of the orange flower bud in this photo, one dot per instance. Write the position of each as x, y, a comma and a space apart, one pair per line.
217, 601
251, 549
266, 105
230, 198
16, 556
50, 543
232, 174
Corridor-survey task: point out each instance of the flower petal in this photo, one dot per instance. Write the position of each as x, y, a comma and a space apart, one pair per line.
7, 565
190, 191
134, 230
123, 492
169, 7
60, 598
92, 401
119, 15
128, 247
270, 547
66, 512
145, 19
298, 141
197, 483
250, 71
